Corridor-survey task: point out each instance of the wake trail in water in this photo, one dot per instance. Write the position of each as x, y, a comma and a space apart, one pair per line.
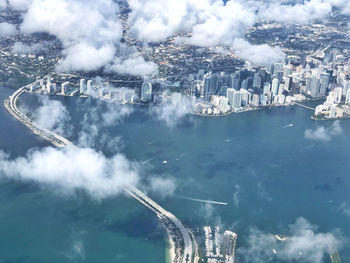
149, 160
288, 126
202, 200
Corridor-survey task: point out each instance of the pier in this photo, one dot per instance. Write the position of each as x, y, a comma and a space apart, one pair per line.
179, 235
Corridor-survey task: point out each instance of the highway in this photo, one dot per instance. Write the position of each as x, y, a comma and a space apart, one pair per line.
304, 106
11, 106
183, 252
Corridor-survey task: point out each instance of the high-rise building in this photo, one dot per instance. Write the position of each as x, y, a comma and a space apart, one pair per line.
52, 88
324, 82
313, 86
237, 100
267, 88
257, 80
274, 86
89, 87
48, 84
229, 95
347, 99
65, 87
263, 100
338, 94
146, 91
83, 86
277, 67
223, 104
255, 100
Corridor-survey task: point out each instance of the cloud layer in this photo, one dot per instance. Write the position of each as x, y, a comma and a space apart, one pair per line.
73, 168
261, 55
53, 115
90, 32
7, 29
94, 41
324, 134
303, 244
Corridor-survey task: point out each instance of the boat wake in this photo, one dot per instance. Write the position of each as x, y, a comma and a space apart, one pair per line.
202, 200
149, 160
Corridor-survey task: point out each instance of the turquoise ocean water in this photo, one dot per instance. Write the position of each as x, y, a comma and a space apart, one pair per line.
268, 173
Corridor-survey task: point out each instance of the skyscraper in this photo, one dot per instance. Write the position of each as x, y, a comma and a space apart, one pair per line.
324, 82
146, 91
347, 99
64, 88
229, 94
274, 87
89, 87
83, 87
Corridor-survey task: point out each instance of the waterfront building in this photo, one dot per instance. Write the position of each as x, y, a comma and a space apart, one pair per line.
338, 94
313, 86
347, 99
263, 100
52, 88
267, 88
223, 104
89, 87
65, 87
146, 91
324, 83
255, 100
257, 82
245, 94
48, 84
229, 95
176, 98
237, 100
83, 86
274, 87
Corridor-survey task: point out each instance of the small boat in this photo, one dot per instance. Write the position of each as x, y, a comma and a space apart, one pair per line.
165, 162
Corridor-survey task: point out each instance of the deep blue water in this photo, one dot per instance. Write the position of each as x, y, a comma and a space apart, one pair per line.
269, 175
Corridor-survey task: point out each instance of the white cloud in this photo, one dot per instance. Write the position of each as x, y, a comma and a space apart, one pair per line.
261, 55
209, 22
20, 4
344, 208
3, 4
163, 186
86, 57
236, 196
35, 48
299, 13
219, 24
7, 29
53, 115
172, 113
133, 65
324, 134
94, 121
303, 244
90, 32
73, 168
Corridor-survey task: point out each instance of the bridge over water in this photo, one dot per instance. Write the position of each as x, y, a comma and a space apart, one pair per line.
182, 244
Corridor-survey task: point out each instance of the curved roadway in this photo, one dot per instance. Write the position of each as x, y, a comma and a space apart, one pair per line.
181, 238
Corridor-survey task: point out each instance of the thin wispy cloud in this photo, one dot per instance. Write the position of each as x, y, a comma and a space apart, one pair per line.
324, 133
304, 243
